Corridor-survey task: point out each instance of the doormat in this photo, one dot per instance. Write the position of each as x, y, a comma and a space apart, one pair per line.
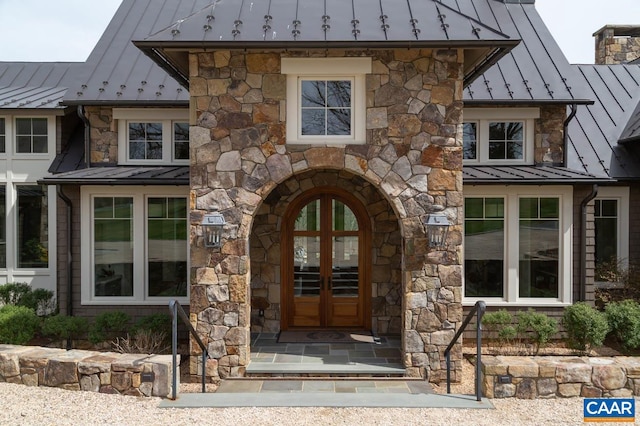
326, 336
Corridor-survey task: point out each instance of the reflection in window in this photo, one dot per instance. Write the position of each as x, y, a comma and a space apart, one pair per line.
470, 140
33, 232
484, 247
326, 107
606, 223
180, 141
539, 247
506, 140
309, 217
31, 135
343, 217
113, 246
145, 141
166, 242
3, 227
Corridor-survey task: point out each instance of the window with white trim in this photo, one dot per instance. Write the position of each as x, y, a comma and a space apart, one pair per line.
135, 245
517, 245
611, 218
3, 140
27, 136
499, 135
326, 100
152, 136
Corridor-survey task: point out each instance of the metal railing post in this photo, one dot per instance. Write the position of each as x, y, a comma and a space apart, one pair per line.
174, 345
481, 308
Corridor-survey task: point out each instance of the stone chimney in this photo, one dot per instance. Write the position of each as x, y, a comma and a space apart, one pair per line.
617, 44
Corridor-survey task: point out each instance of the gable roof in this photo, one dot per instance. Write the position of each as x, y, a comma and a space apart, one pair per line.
595, 132
535, 71
117, 73
361, 24
31, 85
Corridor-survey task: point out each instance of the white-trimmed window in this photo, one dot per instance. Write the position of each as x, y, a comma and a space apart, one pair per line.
134, 245
3, 136
326, 100
517, 245
611, 217
27, 136
499, 135
152, 136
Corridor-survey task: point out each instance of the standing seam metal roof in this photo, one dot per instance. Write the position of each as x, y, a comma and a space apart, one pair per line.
594, 133
535, 70
31, 85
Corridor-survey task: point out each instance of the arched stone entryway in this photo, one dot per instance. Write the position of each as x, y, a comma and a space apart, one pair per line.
383, 302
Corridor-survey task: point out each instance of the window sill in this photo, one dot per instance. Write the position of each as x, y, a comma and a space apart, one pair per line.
535, 303
130, 302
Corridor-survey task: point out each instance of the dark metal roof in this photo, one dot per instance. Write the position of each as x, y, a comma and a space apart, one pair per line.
632, 131
233, 24
534, 71
594, 133
118, 73
27, 85
536, 175
122, 175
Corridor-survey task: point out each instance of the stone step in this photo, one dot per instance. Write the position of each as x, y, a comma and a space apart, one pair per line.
267, 369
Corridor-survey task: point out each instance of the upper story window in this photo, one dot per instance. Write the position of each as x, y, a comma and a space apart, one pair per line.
152, 136
27, 136
499, 135
326, 99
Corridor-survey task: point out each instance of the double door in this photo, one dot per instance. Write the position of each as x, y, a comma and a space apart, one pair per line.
325, 271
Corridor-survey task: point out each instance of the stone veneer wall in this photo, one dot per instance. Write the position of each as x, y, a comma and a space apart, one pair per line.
553, 376
413, 155
549, 135
104, 372
386, 251
104, 135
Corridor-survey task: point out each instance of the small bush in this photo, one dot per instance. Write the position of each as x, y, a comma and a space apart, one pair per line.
108, 325
586, 327
21, 294
499, 327
62, 327
536, 327
624, 321
18, 324
156, 323
142, 342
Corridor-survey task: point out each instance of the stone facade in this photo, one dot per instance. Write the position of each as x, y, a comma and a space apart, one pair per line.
104, 372
617, 44
104, 135
239, 157
551, 377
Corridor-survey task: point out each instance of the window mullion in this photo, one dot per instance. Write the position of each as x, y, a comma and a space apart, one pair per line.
512, 240
139, 247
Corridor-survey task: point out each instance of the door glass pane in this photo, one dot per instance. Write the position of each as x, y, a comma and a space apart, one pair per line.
344, 277
343, 217
113, 246
167, 246
484, 247
33, 232
306, 266
538, 247
309, 217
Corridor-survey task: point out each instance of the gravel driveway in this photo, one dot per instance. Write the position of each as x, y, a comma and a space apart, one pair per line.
23, 405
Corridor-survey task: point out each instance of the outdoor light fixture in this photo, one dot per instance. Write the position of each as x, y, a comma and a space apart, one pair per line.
437, 226
212, 225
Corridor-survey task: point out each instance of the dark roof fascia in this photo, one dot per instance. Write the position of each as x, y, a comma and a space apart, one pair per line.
629, 140
111, 182
538, 182
526, 102
154, 50
547, 175
128, 104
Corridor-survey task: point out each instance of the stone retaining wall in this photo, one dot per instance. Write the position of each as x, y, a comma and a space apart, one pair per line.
551, 377
104, 372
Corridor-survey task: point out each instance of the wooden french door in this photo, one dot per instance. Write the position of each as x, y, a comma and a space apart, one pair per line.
325, 261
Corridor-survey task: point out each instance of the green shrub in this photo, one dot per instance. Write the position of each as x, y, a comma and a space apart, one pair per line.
18, 324
624, 321
62, 327
536, 327
586, 327
155, 323
499, 326
21, 294
108, 325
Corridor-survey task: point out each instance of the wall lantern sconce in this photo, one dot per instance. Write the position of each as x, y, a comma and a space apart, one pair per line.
437, 227
212, 226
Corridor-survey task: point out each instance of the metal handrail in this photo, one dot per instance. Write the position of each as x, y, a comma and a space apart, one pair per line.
177, 310
480, 307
